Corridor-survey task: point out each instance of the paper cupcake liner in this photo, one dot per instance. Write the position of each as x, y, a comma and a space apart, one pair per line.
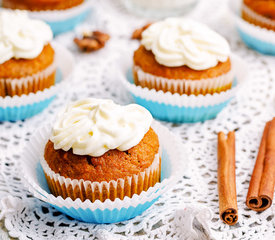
25, 111
159, 9
122, 187
161, 4
25, 106
185, 108
174, 163
176, 114
183, 86
255, 37
257, 18
26, 85
63, 20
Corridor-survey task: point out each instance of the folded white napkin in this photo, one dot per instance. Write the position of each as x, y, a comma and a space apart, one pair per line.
9, 205
193, 222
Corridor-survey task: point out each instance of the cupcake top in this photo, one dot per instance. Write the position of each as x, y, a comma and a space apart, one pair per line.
265, 8
21, 37
94, 126
181, 41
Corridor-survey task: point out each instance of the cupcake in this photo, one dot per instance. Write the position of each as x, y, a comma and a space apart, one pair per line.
255, 22
127, 125
260, 13
159, 9
183, 72
41, 5
179, 55
61, 15
99, 150
27, 59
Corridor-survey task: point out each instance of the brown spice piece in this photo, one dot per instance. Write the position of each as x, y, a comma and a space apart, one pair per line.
226, 178
137, 33
92, 41
261, 187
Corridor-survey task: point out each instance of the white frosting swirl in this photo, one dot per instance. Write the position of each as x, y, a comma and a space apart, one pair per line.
20, 36
181, 41
94, 126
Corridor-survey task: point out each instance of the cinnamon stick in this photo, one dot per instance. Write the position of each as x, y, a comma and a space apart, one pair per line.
226, 178
261, 187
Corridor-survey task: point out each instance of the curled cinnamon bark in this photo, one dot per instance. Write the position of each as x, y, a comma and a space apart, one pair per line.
261, 187
226, 178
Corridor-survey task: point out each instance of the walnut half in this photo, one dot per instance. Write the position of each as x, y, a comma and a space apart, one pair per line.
137, 33
92, 41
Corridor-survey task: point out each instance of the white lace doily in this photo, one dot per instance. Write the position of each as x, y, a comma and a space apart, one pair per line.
28, 218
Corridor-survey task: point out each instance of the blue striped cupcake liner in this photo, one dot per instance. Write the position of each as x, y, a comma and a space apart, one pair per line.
185, 108
174, 163
256, 43
62, 21
19, 108
24, 111
176, 114
255, 37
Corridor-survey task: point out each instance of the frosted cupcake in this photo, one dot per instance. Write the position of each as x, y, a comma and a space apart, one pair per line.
179, 55
183, 72
41, 5
255, 22
260, 13
61, 15
26, 56
99, 150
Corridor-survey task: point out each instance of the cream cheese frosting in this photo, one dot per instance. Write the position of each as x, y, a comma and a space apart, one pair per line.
20, 36
181, 41
94, 126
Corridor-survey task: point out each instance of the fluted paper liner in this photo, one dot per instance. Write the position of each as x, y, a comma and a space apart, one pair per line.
170, 144
25, 85
257, 18
183, 86
60, 15
73, 188
256, 32
239, 67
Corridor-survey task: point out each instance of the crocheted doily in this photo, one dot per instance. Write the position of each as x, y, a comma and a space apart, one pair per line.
182, 213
